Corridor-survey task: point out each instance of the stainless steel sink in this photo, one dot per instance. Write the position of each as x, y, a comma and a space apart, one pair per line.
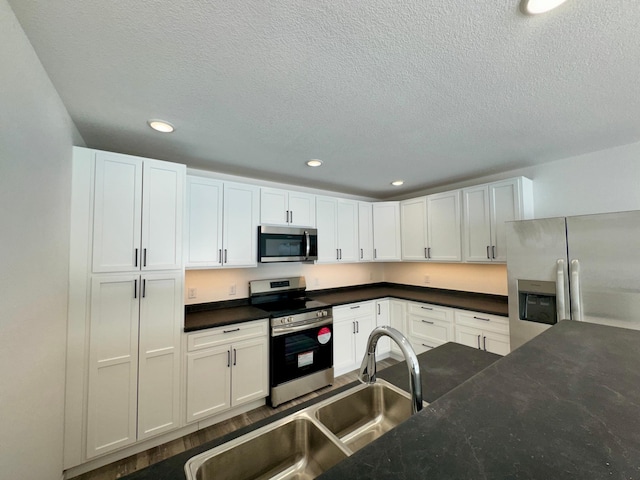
364, 415
306, 443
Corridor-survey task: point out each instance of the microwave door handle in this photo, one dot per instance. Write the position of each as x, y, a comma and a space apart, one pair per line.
308, 241
561, 310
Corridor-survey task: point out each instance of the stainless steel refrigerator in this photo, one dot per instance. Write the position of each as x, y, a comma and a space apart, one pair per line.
583, 268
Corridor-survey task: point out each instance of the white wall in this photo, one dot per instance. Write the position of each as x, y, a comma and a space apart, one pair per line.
36, 135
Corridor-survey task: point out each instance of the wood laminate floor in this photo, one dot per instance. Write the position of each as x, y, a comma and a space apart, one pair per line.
143, 459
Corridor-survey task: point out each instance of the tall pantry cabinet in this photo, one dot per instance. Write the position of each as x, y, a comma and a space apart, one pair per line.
125, 306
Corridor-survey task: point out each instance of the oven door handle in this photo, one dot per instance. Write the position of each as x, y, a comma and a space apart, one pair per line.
278, 330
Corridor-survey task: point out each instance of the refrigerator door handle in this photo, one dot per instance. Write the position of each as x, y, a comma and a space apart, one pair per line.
574, 291
561, 310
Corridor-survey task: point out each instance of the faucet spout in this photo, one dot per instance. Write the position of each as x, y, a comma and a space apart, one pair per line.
368, 367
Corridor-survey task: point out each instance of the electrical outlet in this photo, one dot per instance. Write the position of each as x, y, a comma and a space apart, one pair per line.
193, 292
232, 289
427, 279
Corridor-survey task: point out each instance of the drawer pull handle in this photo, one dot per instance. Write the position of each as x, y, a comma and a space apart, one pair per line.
426, 308
479, 348
353, 308
483, 319
427, 321
233, 330
428, 346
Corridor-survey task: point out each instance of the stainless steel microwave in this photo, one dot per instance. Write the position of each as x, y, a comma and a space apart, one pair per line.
286, 244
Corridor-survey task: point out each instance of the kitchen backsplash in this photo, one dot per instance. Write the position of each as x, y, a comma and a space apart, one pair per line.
228, 284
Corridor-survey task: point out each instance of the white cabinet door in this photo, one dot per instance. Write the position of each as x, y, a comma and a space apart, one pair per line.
161, 312
443, 226
397, 319
203, 222
274, 206
504, 199
347, 223
495, 343
364, 326
250, 372
326, 213
413, 217
240, 225
208, 382
343, 345
469, 336
477, 224
113, 363
162, 210
365, 231
302, 209
386, 231
117, 213
383, 317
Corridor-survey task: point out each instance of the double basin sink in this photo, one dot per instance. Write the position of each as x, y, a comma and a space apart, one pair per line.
306, 443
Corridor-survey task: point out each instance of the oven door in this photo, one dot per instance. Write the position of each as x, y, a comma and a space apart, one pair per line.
283, 244
300, 350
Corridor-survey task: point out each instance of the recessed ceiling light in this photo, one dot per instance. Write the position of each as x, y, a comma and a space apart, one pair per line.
314, 163
534, 7
397, 183
161, 126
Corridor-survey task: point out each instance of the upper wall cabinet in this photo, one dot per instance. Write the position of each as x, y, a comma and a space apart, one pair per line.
431, 227
337, 223
288, 208
486, 209
137, 214
221, 224
365, 231
443, 227
386, 232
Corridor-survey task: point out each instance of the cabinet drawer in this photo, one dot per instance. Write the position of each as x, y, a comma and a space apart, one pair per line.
483, 321
421, 345
213, 337
431, 311
354, 310
426, 329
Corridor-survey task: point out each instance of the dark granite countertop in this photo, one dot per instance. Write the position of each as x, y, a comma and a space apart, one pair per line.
216, 314
566, 405
443, 369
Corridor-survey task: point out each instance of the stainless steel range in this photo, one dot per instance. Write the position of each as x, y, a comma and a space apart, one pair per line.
301, 345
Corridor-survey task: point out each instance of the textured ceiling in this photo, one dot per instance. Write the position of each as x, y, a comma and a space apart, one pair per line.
430, 91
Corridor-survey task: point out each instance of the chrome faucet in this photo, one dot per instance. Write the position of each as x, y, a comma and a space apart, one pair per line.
368, 366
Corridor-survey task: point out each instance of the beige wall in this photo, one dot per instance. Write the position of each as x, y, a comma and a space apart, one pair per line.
36, 135
215, 285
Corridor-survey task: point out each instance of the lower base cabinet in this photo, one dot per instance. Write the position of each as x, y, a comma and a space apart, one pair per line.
428, 326
226, 367
352, 325
483, 331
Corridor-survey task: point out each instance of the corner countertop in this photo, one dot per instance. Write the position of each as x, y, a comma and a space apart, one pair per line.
218, 314
443, 369
565, 405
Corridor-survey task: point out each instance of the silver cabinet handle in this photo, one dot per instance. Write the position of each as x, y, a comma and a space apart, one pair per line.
135, 289
427, 321
561, 311
425, 253
488, 256
428, 252
235, 357
353, 324
375, 253
287, 216
378, 309
232, 330
220, 255
479, 343
428, 346
337, 254
135, 258
574, 291
493, 251
340, 253
144, 262
353, 308
357, 326
361, 254
291, 216
483, 319
225, 256
144, 288
228, 358
426, 308
484, 340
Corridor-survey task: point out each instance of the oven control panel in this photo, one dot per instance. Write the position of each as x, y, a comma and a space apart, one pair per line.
300, 318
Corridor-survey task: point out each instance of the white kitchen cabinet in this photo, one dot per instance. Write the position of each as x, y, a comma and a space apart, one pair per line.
413, 220
429, 325
337, 224
221, 224
365, 231
383, 317
444, 227
134, 361
482, 331
226, 367
386, 232
397, 319
352, 325
486, 209
287, 208
138, 207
